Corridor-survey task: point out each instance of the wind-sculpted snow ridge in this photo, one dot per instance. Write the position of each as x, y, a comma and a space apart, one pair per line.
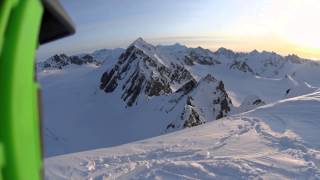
275, 141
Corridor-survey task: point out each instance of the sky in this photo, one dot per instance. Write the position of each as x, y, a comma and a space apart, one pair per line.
282, 26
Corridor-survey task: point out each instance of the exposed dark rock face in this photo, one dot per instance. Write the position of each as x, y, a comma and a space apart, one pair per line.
257, 102
183, 91
171, 126
193, 118
224, 101
251, 102
130, 94
200, 56
179, 74
188, 61
76, 60
190, 115
288, 91
154, 88
242, 66
86, 59
226, 52
138, 73
107, 83
209, 78
62, 60
205, 100
188, 87
57, 61
189, 101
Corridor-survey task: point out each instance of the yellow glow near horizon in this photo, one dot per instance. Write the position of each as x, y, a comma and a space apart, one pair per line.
302, 27
286, 26
282, 26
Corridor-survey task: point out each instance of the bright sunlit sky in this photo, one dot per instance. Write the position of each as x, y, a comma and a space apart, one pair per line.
283, 26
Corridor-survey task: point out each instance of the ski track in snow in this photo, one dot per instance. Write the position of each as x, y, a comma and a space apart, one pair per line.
239, 147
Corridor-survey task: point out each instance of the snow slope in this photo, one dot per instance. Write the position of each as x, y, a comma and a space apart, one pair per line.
277, 141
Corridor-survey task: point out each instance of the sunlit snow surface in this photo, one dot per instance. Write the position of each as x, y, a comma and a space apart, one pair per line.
276, 141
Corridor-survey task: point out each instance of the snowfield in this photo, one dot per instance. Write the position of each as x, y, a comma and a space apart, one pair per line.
173, 112
275, 141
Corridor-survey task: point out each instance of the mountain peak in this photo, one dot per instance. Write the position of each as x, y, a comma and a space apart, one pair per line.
139, 42
140, 70
142, 45
59, 61
294, 59
292, 56
254, 52
224, 51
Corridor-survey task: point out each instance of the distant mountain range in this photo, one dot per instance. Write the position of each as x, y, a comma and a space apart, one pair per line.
111, 97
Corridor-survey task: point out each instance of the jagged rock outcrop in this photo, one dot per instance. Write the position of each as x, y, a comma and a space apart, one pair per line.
188, 118
190, 115
200, 56
187, 87
57, 61
205, 101
251, 102
140, 72
223, 102
226, 53
60, 61
241, 66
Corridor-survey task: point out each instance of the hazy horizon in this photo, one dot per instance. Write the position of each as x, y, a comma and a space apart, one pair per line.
168, 44
284, 27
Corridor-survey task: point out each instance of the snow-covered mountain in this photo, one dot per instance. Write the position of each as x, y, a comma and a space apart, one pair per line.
98, 57
62, 61
206, 100
146, 90
140, 72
